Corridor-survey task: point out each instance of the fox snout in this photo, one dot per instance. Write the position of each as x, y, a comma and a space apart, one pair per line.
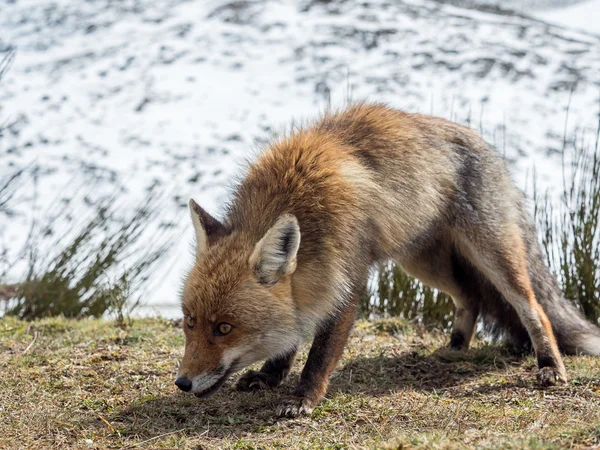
184, 383
206, 383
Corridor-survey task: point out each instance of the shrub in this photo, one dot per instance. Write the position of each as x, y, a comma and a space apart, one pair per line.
95, 269
569, 233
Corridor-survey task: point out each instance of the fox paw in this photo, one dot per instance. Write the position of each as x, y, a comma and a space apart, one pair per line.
295, 406
549, 376
255, 381
458, 342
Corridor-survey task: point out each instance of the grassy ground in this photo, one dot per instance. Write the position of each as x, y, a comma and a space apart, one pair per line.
90, 384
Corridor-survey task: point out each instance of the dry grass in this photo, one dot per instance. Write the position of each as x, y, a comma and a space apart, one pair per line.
90, 384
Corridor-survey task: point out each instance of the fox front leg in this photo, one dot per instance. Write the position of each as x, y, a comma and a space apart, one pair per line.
326, 350
270, 375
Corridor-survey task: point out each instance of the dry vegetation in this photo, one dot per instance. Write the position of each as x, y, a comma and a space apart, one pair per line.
91, 384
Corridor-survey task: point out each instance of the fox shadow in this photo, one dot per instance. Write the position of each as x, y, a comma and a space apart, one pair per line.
231, 414
444, 369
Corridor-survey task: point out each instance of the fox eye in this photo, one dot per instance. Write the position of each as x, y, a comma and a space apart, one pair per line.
190, 322
223, 329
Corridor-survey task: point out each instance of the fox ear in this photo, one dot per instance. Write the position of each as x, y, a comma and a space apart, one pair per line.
275, 253
205, 226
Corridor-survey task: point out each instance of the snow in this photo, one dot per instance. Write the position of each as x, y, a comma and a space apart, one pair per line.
583, 16
182, 93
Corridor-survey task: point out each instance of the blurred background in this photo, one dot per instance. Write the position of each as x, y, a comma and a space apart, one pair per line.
116, 112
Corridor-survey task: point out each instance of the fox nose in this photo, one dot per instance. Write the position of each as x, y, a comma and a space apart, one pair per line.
184, 384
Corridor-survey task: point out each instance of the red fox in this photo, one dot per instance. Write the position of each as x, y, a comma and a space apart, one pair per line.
320, 206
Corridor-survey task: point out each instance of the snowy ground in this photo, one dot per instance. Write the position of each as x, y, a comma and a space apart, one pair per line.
180, 93
578, 14
584, 15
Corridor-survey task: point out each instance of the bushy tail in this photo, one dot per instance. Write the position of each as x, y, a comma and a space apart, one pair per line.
574, 334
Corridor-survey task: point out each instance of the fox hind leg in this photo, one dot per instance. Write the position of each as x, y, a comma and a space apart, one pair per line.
466, 296
439, 266
463, 327
503, 260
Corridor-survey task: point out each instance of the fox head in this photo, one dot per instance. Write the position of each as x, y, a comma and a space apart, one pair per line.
237, 300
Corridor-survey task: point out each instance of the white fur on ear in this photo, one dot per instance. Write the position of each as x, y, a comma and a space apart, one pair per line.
275, 254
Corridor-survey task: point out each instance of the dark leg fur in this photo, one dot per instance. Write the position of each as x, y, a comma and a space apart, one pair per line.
457, 340
467, 304
270, 375
500, 320
326, 350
